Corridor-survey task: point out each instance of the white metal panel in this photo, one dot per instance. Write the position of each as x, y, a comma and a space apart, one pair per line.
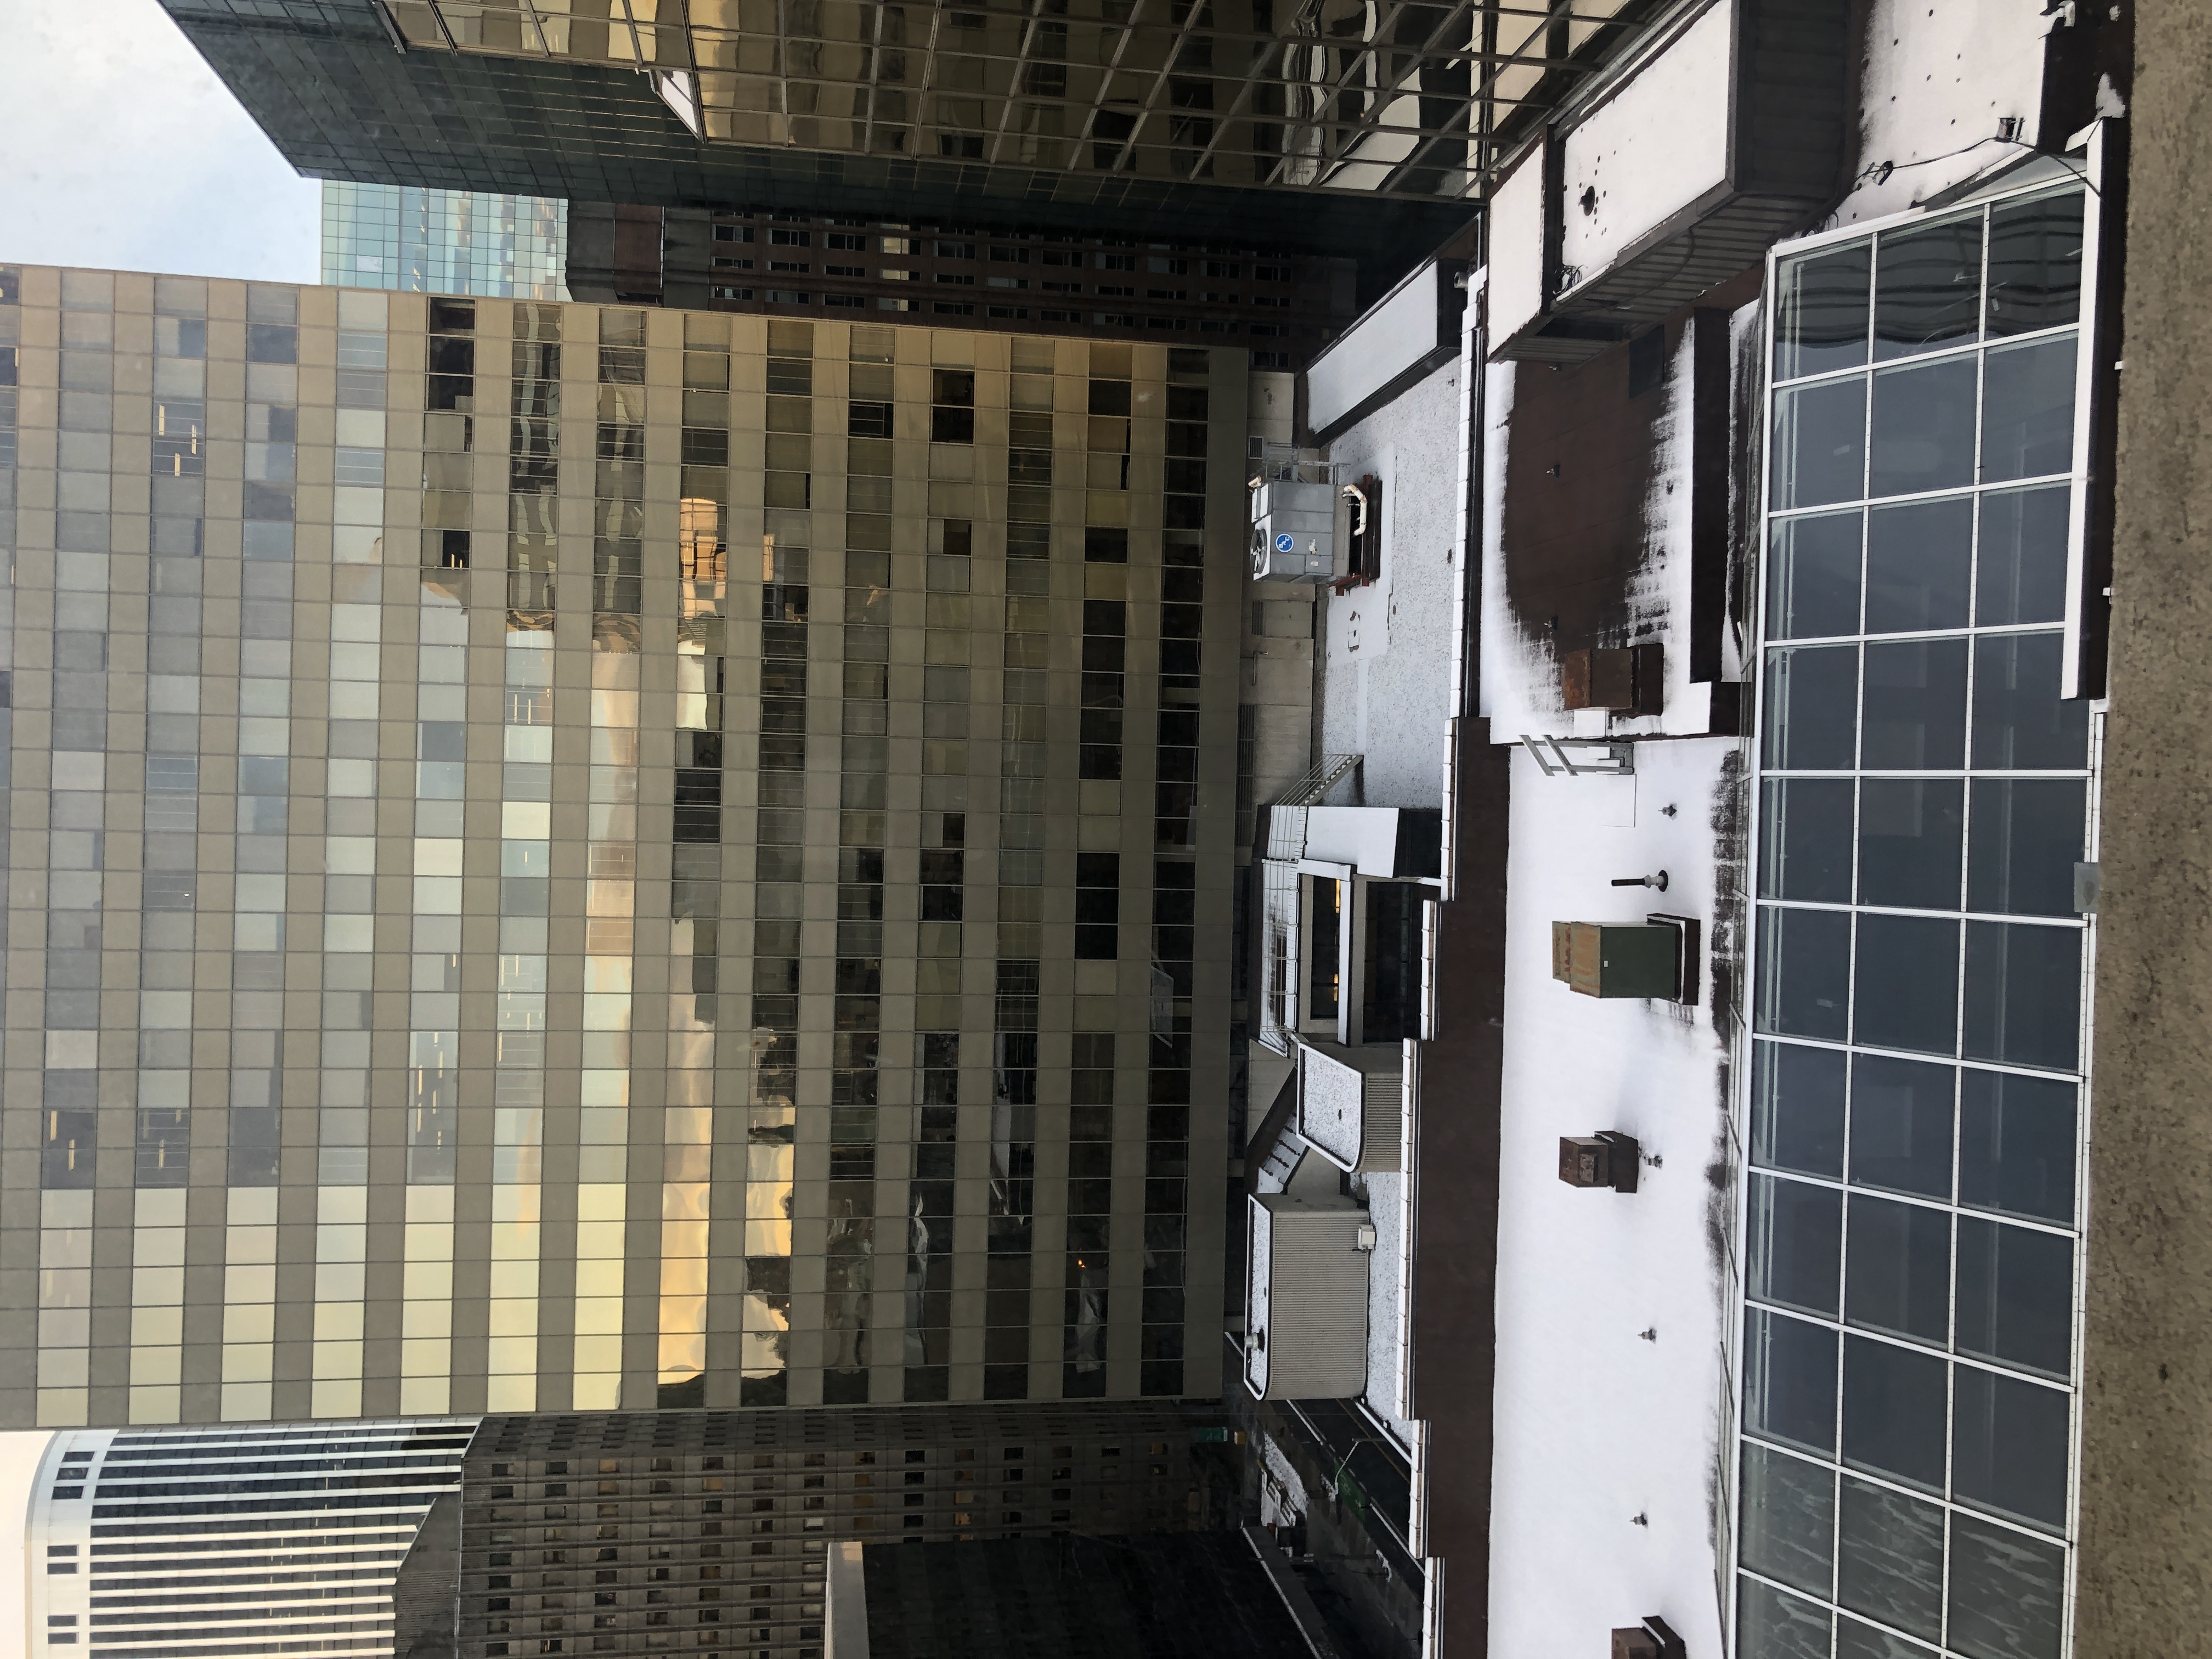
1365, 837
1259, 1306
1396, 333
1651, 150
1516, 249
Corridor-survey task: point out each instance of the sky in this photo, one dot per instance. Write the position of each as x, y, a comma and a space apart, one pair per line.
123, 151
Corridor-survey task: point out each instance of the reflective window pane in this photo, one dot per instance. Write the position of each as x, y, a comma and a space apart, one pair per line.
2035, 265
1804, 972
1906, 994
2008, 1592
1890, 1551
1909, 834
1915, 706
1777, 1624
1820, 444
1795, 1239
1857, 1640
2027, 838
2023, 1004
1812, 708
2020, 723
1805, 850
1822, 321
2021, 574
1923, 431
1901, 1124
2028, 411
2015, 1296
1894, 1410
1899, 1276
2017, 1145
2009, 1442
1813, 577
1928, 288
1797, 1109
1918, 558
1790, 1380
1789, 1518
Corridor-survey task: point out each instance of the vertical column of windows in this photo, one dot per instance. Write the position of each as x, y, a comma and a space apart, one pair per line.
1023, 752
525, 847
177, 461
695, 863
249, 1301
441, 754
1102, 729
260, 819
927, 1313
348, 924
1175, 830
856, 1006
76, 845
779, 870
11, 323
1010, 1230
1089, 1212
518, 1080
157, 1303
70, 1083
11, 332
949, 615
611, 893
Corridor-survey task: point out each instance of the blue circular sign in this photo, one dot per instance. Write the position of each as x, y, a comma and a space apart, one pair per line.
1284, 542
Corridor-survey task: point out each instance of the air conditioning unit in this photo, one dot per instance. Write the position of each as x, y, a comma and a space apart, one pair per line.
1293, 532
1652, 1639
1607, 1159
1656, 959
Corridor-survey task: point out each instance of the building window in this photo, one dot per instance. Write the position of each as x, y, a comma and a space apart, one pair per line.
1911, 1244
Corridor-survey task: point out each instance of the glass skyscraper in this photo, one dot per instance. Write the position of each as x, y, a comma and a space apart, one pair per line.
581, 858
444, 241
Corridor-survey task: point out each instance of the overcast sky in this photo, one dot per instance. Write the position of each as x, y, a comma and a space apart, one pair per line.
122, 149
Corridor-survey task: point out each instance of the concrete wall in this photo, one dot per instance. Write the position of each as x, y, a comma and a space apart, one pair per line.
1386, 681
2146, 1567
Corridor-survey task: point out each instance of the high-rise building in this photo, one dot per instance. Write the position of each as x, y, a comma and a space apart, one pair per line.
443, 241
1314, 130
574, 858
274, 1540
630, 1532
952, 275
1168, 1596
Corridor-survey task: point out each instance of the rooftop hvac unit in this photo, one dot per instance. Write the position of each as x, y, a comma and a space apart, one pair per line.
1607, 1159
1652, 1639
1293, 532
1305, 1311
1657, 958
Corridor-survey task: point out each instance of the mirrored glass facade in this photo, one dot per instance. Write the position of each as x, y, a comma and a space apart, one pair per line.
573, 857
1916, 1114
1338, 98
444, 241
709, 1532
